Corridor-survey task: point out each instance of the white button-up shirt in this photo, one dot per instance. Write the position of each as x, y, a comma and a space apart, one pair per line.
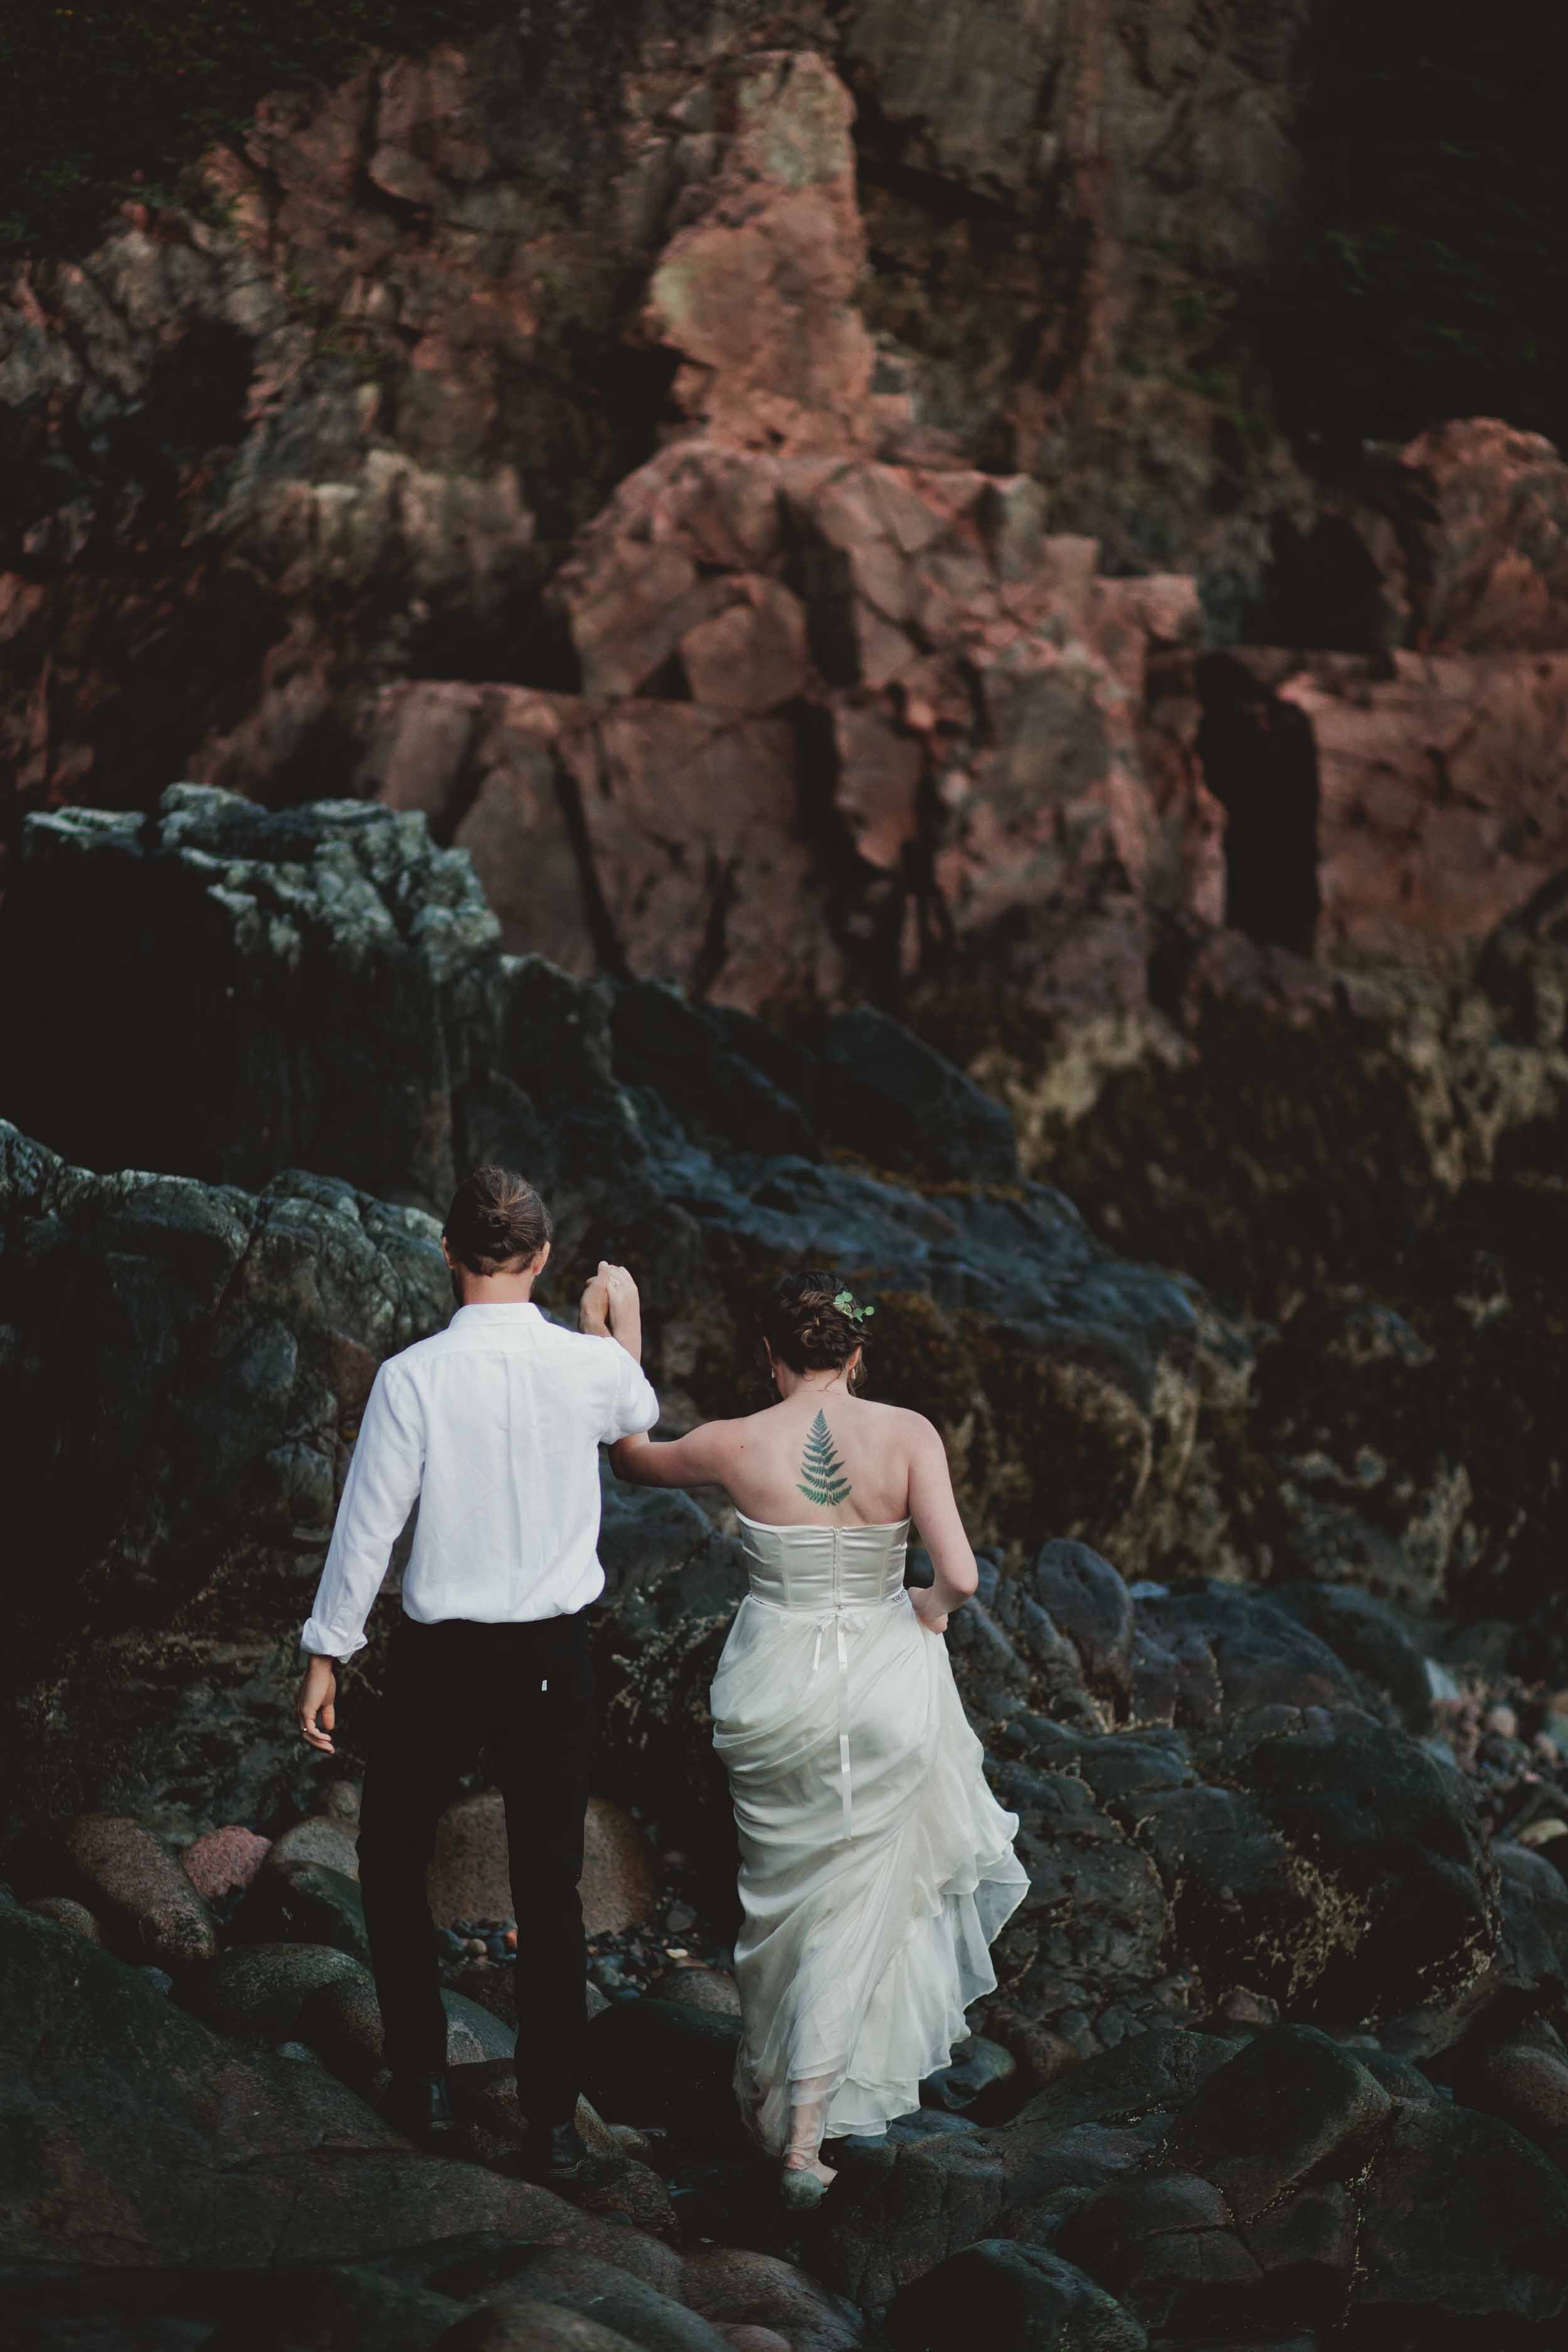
494, 1424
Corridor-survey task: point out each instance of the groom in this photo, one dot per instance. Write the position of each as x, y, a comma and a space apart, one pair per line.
493, 1425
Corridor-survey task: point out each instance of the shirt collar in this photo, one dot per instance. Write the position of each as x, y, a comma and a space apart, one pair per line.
503, 1310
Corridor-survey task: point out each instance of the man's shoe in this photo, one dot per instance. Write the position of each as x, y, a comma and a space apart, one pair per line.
553, 2151
420, 2107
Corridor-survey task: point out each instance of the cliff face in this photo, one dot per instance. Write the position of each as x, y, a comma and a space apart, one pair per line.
342, 426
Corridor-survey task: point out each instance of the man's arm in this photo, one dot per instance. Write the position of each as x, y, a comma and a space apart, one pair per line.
378, 1495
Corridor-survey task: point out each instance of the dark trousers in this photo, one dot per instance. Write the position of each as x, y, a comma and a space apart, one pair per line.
522, 1694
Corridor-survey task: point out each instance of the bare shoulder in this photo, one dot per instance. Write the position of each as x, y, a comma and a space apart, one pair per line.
916, 1432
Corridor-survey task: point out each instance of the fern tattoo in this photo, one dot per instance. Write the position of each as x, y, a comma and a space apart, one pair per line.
824, 1480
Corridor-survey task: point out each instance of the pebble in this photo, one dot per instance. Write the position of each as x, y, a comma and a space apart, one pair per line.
477, 1949
1502, 1721
159, 1978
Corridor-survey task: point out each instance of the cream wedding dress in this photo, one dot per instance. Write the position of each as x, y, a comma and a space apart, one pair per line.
876, 1866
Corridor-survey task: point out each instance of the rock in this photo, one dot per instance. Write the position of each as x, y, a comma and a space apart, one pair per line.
261, 1990
531, 2326
1292, 2105
1087, 1600
470, 1878
225, 1861
1522, 2080
1030, 2297
318, 1838
906, 1107
752, 2339
583, 2282
659, 2062
1462, 2216
1365, 1634
1156, 2238
65, 1913
620, 1882
300, 889
342, 2021
736, 2288
345, 2303
137, 1889
974, 2080
341, 1801
691, 1988
188, 2150
305, 1903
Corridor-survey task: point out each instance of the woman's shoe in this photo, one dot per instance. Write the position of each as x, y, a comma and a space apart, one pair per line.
802, 2186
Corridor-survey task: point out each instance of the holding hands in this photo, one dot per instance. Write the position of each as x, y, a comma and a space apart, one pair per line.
610, 1306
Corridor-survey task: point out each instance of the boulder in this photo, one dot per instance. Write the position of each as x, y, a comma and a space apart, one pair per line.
581, 2282
661, 2062
135, 1885
65, 1913
1031, 2299
1291, 2107
469, 1878
305, 1903
1087, 1600
223, 1862
1462, 2216
532, 2326
341, 2022
319, 1838
906, 1107
736, 2288
260, 1991
713, 1989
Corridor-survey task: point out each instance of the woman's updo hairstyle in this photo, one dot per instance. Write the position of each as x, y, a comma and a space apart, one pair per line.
803, 1327
496, 1220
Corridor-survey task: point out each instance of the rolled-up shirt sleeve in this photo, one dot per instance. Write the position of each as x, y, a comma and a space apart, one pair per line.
379, 1493
634, 1405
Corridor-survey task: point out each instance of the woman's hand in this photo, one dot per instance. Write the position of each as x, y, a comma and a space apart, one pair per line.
928, 1609
315, 1709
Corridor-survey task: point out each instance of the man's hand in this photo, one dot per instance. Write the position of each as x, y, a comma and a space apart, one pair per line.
622, 1307
594, 1309
315, 1709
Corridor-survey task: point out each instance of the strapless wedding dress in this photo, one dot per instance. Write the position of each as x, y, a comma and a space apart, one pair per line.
876, 1866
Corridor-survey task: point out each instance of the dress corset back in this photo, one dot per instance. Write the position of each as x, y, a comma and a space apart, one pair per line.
821, 1569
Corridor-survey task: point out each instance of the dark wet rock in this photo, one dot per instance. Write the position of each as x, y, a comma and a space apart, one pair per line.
319, 1838
587, 2284
198, 1425
974, 2081
1533, 1895
1263, 1656
1153, 2073
305, 1903
735, 2286
899, 2208
131, 1883
532, 2327
691, 1987
67, 1913
341, 2022
1088, 1600
1291, 2106
1370, 1636
1158, 2240
260, 1991
1462, 2216
356, 963
660, 2061
1521, 2078
189, 2148
1030, 2299
907, 1108
321, 2310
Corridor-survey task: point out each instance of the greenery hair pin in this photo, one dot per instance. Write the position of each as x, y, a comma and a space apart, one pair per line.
847, 1305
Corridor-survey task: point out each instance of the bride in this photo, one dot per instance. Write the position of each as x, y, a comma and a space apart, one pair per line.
876, 1866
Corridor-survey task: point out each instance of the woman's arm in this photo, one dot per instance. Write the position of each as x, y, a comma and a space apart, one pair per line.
701, 1458
935, 1514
